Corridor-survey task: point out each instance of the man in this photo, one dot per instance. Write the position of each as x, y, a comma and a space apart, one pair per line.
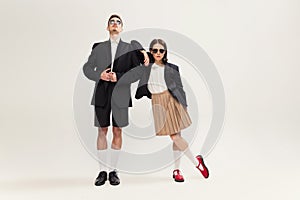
108, 61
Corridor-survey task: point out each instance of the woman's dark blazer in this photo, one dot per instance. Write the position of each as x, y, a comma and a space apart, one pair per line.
141, 73
173, 82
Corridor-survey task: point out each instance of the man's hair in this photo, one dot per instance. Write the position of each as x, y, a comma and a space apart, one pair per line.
112, 16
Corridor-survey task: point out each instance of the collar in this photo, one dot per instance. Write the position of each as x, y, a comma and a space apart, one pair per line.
156, 66
115, 40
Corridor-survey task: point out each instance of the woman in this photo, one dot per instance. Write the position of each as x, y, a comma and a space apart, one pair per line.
161, 82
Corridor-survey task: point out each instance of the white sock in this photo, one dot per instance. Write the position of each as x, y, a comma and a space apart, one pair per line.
190, 156
114, 158
102, 159
177, 158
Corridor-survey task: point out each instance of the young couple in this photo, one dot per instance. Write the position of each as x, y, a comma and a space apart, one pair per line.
116, 63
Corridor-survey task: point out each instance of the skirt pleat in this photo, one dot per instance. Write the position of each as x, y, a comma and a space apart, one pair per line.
169, 115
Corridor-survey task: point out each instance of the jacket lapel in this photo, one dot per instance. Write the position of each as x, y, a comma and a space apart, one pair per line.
167, 72
169, 77
107, 57
107, 53
120, 51
147, 73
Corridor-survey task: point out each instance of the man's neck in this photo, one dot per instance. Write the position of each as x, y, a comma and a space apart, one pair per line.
114, 37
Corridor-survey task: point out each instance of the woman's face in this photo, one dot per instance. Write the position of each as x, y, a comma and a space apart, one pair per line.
158, 51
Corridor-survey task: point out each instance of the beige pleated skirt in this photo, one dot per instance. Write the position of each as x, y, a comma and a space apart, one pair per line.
169, 115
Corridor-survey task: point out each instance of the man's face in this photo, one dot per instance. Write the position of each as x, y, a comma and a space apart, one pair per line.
115, 26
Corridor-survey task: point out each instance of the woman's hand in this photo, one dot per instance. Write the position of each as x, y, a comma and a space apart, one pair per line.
146, 57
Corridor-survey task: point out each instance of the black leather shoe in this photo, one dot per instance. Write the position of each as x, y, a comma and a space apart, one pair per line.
101, 178
113, 178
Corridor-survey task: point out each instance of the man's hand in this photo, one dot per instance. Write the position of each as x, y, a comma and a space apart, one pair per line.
105, 75
113, 77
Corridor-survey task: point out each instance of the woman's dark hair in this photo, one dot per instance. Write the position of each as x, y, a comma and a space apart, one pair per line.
160, 41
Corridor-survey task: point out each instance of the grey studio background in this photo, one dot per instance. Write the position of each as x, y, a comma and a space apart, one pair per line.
254, 45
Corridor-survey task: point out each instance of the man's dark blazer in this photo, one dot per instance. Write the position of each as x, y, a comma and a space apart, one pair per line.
172, 79
99, 60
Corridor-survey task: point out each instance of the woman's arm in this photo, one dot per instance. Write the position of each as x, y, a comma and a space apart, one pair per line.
141, 52
132, 75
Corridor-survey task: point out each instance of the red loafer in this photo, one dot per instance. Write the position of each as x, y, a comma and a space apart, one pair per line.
201, 166
177, 176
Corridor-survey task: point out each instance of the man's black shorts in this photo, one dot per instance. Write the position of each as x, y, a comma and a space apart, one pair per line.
119, 116
103, 113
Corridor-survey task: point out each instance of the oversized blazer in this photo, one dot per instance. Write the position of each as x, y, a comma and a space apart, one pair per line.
172, 79
99, 60
142, 74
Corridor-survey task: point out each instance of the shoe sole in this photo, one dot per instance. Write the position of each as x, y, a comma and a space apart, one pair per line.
96, 184
114, 184
180, 181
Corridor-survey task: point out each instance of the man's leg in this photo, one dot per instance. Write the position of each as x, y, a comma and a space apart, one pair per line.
102, 154
116, 146
117, 138
102, 122
102, 148
114, 155
120, 119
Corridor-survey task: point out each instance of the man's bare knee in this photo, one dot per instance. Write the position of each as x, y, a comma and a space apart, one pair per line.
117, 138
102, 131
117, 131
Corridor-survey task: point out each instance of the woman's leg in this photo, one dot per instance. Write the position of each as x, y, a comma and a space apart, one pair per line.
183, 146
177, 157
177, 176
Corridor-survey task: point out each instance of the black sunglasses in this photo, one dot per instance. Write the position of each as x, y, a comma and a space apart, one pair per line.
160, 50
112, 22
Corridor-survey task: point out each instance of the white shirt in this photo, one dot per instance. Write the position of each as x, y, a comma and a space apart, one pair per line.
114, 46
156, 82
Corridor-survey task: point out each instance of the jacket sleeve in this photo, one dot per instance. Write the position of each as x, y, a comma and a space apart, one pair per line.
131, 76
134, 61
89, 68
137, 48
